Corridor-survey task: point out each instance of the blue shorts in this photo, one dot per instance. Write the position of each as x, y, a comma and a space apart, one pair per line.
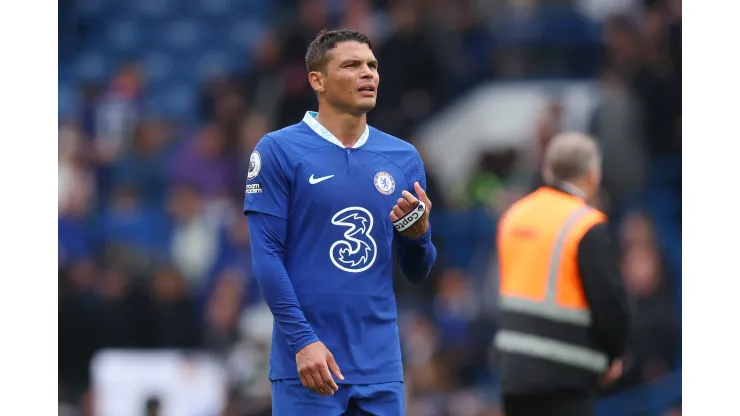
290, 398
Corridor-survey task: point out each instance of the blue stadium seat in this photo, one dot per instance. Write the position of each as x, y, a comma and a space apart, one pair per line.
564, 26
67, 101
177, 100
158, 66
124, 35
152, 8
92, 65
184, 34
90, 9
210, 62
244, 33
217, 8
521, 32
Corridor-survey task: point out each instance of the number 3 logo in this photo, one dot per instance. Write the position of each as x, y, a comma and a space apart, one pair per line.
357, 252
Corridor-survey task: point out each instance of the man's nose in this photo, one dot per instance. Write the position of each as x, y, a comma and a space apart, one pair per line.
366, 72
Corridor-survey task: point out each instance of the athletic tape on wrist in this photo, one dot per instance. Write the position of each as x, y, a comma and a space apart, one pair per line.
410, 218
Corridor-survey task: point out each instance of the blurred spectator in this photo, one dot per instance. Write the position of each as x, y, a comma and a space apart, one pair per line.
262, 84
75, 231
233, 259
175, 323
122, 323
408, 91
143, 166
549, 124
204, 162
616, 124
134, 231
114, 116
77, 320
194, 239
253, 128
454, 308
76, 183
467, 47
153, 407
222, 313
297, 96
359, 15
214, 90
600, 10
249, 359
622, 43
656, 334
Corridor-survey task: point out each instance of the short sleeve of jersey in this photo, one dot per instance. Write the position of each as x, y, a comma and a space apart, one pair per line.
268, 184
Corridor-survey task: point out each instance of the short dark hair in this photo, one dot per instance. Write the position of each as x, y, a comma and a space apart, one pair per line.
317, 54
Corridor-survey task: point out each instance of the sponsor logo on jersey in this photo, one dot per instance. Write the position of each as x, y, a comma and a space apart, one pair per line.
357, 251
253, 188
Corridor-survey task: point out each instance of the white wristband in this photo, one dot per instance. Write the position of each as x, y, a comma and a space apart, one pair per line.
410, 218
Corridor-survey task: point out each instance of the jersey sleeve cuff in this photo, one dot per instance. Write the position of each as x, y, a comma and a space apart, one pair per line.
304, 342
424, 239
257, 210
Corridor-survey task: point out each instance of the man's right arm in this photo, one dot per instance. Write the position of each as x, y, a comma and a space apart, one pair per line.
266, 204
267, 234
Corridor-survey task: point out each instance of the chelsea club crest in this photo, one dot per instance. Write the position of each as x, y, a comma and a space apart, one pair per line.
384, 183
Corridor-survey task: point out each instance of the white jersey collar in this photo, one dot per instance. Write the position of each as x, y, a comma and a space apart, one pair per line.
310, 119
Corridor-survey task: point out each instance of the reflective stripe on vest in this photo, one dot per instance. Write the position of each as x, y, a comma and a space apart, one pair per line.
551, 350
548, 308
546, 348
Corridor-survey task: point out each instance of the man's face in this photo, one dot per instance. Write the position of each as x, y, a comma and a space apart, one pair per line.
351, 80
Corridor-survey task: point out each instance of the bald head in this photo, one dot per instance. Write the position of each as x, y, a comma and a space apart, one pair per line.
571, 157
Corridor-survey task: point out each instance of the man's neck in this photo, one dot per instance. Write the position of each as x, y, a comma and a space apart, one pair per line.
347, 128
575, 188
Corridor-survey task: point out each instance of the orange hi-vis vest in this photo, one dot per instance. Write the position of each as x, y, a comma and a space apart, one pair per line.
538, 242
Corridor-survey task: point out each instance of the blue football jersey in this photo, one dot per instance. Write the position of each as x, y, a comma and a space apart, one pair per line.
338, 248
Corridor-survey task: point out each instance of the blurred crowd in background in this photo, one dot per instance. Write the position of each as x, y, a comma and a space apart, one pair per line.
162, 102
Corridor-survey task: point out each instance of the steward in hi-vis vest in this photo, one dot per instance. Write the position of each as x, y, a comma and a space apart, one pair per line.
563, 306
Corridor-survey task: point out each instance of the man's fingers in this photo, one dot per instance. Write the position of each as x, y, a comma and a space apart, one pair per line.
334, 367
422, 195
409, 201
404, 205
318, 383
410, 198
400, 209
329, 380
310, 382
420, 191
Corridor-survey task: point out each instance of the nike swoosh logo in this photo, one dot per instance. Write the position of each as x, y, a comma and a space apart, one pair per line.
314, 181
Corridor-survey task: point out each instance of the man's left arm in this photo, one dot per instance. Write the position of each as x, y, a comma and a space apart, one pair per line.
604, 290
415, 251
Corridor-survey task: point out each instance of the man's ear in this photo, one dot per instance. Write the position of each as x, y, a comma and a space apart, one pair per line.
594, 176
316, 79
